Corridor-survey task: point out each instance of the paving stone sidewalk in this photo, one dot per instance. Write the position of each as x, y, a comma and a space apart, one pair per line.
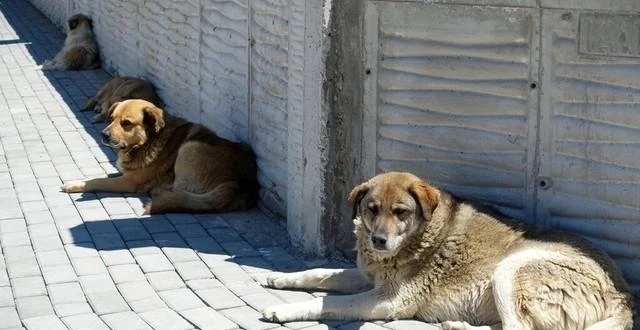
91, 261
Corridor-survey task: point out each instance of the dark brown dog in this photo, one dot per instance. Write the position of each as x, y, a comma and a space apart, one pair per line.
80, 50
120, 89
185, 166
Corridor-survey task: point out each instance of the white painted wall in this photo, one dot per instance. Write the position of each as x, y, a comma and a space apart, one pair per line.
238, 67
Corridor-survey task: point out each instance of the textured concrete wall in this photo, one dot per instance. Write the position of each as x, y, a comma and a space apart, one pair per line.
252, 70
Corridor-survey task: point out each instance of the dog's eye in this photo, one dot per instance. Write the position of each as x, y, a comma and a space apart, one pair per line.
373, 208
400, 213
125, 123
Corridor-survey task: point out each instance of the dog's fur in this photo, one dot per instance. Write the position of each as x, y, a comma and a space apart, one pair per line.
80, 50
185, 166
120, 89
423, 254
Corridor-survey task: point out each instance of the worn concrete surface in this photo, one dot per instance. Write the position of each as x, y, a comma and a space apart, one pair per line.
91, 261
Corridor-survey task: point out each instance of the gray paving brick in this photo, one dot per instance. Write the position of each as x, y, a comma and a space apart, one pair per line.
81, 251
59, 274
132, 230
68, 309
117, 257
203, 283
157, 224
48, 322
12, 225
28, 286
181, 299
132, 291
191, 230
191, 270
302, 325
211, 221
23, 268
33, 306
143, 247
181, 218
52, 258
168, 280
207, 318
239, 249
219, 298
281, 259
88, 266
205, 245
126, 273
84, 322
9, 317
33, 217
359, 326
262, 300
410, 325
154, 263
43, 229
147, 304
291, 296
65, 293
106, 302
253, 265
16, 238
165, 319
97, 283
248, 318
46, 243
108, 241
180, 254
224, 235
6, 297
243, 289
125, 321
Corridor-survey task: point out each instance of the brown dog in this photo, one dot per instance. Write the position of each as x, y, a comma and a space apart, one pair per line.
423, 254
80, 50
120, 89
185, 166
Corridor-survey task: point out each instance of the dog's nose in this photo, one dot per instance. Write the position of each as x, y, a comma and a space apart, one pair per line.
379, 241
105, 136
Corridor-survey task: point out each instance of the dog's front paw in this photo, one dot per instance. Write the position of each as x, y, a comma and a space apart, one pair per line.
278, 313
73, 186
278, 280
455, 325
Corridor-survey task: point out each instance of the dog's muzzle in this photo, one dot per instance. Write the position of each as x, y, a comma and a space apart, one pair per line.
379, 242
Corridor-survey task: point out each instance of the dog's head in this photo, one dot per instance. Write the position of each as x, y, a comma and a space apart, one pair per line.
132, 123
390, 208
79, 22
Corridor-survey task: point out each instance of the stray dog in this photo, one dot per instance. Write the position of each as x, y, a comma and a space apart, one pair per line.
185, 166
80, 50
120, 89
423, 254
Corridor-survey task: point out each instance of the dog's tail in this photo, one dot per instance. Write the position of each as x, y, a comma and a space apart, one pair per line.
226, 197
622, 319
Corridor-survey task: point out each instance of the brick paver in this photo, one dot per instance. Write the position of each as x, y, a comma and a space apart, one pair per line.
90, 261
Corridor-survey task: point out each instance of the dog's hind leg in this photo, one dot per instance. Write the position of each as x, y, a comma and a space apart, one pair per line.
340, 280
225, 197
457, 325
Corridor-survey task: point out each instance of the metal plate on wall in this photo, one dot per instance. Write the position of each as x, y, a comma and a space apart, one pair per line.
449, 96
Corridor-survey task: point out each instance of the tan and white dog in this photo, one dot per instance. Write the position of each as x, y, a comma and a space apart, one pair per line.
80, 50
423, 254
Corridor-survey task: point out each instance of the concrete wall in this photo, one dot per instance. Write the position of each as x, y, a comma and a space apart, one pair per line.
252, 70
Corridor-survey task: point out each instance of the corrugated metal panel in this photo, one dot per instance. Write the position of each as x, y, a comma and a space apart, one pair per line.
591, 118
454, 98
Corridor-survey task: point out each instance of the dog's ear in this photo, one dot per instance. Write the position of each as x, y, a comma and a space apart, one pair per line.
155, 116
73, 23
111, 108
356, 195
426, 196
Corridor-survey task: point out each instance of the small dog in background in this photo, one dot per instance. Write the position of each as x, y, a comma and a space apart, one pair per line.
423, 254
120, 89
80, 50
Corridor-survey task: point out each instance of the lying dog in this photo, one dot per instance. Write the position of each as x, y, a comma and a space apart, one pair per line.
80, 50
120, 89
185, 166
423, 254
